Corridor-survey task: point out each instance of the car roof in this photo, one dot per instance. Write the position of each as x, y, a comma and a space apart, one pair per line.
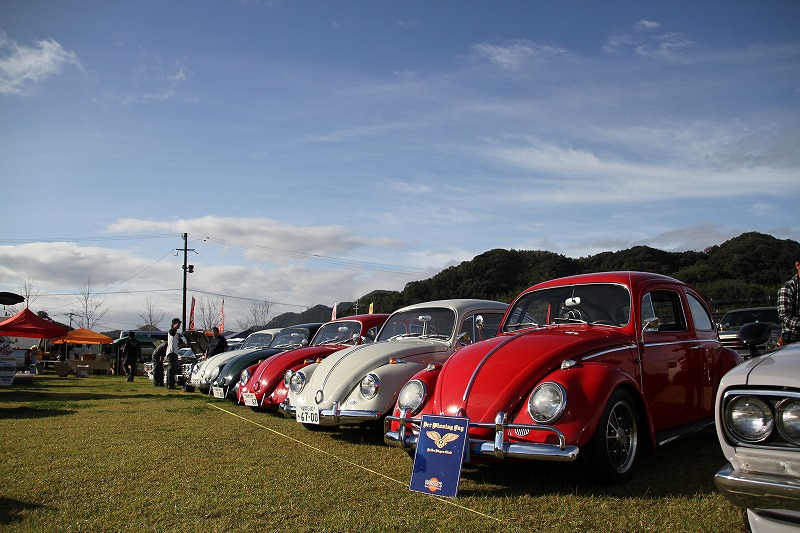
458, 304
629, 278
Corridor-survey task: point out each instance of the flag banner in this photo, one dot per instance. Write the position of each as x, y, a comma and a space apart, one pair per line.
222, 317
191, 315
333, 313
370, 308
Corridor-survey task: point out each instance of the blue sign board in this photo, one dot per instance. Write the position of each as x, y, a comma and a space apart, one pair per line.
440, 453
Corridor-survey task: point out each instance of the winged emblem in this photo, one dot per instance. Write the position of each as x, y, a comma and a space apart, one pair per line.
439, 440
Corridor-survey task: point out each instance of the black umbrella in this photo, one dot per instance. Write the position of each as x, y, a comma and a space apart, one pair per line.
9, 298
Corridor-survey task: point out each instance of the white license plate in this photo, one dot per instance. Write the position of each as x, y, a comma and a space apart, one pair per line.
218, 392
250, 399
307, 414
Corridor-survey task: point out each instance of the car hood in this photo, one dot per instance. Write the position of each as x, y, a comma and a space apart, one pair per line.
337, 374
778, 369
197, 341
501, 372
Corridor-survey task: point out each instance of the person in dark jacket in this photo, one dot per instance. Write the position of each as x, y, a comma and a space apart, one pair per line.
158, 364
131, 355
217, 344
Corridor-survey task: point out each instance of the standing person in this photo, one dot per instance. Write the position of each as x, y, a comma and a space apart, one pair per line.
131, 354
788, 297
217, 344
158, 364
173, 345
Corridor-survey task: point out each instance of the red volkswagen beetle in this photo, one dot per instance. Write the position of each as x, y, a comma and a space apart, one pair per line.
264, 388
592, 366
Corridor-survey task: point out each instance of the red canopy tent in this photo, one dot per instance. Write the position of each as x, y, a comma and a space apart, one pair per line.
26, 323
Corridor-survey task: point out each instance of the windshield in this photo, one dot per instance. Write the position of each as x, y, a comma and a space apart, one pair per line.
337, 332
737, 319
596, 303
437, 322
257, 340
289, 337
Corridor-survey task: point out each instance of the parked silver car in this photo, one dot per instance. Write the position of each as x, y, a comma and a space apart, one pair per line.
758, 425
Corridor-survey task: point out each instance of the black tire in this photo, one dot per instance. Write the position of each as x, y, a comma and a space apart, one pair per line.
614, 447
188, 388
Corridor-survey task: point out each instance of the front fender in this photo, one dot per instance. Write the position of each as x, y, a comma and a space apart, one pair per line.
392, 377
589, 387
429, 376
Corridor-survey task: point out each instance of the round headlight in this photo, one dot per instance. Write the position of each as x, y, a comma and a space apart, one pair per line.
412, 396
749, 418
214, 374
297, 382
788, 415
547, 402
244, 377
369, 386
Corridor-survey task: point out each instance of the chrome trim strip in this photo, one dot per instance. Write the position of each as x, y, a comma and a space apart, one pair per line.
626, 346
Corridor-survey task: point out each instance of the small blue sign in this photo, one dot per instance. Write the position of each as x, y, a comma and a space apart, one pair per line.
440, 453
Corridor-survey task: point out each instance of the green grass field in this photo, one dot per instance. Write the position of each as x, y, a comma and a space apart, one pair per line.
101, 454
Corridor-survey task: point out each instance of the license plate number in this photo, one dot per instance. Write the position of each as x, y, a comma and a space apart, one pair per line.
218, 392
250, 399
307, 414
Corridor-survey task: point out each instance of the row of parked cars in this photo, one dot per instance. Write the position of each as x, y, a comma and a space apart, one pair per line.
590, 368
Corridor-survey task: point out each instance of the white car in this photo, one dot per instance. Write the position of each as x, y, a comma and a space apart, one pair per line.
758, 425
204, 372
359, 385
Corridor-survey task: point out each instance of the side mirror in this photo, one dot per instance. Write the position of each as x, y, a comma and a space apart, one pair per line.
755, 334
651, 324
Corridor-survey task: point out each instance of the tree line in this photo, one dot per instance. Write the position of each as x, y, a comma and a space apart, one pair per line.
745, 271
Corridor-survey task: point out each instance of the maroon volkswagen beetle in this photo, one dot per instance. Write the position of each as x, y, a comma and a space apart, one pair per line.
264, 387
592, 366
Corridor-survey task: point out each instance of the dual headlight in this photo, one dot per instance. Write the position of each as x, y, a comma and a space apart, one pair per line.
752, 419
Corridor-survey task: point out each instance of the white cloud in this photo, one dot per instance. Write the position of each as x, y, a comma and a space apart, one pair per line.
642, 40
516, 54
24, 68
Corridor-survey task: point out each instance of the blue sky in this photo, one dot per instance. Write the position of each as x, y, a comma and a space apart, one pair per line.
315, 151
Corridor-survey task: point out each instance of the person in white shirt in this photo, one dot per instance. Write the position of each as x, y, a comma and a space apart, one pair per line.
173, 345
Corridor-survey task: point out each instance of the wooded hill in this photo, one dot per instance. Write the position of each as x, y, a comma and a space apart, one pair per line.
742, 272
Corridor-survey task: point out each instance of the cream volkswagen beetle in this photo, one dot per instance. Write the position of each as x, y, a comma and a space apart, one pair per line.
359, 385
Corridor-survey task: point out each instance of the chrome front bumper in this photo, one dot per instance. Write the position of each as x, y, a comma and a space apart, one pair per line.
497, 448
334, 416
761, 492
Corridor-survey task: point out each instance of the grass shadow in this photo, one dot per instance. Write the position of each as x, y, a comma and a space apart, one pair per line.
11, 511
24, 412
684, 468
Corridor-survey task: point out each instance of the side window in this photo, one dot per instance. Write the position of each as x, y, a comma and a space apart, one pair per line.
700, 316
371, 333
666, 307
467, 333
491, 322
